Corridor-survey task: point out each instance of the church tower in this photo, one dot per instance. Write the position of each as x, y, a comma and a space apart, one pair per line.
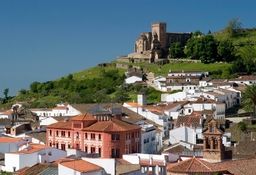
160, 29
213, 148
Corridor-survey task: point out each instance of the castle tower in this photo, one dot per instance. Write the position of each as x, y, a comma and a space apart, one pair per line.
160, 29
213, 148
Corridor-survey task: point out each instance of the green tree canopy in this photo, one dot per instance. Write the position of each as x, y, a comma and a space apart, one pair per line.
226, 51
176, 50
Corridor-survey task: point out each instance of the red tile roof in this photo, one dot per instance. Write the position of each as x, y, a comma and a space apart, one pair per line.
111, 125
33, 148
83, 117
133, 104
193, 165
9, 139
81, 165
61, 125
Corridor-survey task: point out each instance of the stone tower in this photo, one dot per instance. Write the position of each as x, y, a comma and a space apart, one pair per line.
160, 29
213, 148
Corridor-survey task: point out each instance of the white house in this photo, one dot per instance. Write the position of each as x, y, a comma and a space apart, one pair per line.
248, 80
204, 104
6, 114
9, 144
183, 133
187, 73
32, 154
160, 83
179, 96
148, 138
149, 162
132, 79
205, 81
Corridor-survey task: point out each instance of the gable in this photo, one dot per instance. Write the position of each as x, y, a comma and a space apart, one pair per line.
212, 128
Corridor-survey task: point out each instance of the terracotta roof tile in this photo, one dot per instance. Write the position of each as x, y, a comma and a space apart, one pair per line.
194, 165
81, 165
9, 139
111, 125
84, 116
133, 104
61, 125
34, 148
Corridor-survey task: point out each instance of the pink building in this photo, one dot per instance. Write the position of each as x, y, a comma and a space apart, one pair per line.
105, 134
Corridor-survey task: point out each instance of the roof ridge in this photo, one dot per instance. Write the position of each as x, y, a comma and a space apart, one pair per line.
192, 160
204, 164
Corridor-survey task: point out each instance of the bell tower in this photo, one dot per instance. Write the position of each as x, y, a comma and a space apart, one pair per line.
213, 148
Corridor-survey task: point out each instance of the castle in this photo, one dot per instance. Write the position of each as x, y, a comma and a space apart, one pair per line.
155, 45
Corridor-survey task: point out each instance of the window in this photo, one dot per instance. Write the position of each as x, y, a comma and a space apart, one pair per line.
68, 134
57, 145
147, 139
50, 144
100, 152
132, 135
212, 129
86, 149
115, 153
57, 133
92, 136
77, 135
68, 145
99, 136
92, 149
85, 136
63, 147
50, 132
115, 137
77, 125
62, 133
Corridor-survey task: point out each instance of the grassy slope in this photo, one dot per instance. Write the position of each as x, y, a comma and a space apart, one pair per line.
95, 71
241, 37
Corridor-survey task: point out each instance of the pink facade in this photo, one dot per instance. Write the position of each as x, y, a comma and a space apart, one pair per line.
107, 135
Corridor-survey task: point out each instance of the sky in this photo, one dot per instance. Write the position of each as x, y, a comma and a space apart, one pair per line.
49, 39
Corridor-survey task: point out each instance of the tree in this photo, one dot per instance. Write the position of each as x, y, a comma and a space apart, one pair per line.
233, 26
226, 51
23, 91
249, 96
176, 50
207, 49
33, 86
6, 91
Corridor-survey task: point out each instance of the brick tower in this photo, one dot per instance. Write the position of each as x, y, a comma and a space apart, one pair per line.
213, 148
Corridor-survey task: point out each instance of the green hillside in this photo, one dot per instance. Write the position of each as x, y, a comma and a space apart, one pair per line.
105, 83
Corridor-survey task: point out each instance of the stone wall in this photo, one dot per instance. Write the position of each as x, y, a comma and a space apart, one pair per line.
126, 59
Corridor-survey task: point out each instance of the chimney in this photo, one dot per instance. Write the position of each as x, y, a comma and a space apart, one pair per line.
151, 160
